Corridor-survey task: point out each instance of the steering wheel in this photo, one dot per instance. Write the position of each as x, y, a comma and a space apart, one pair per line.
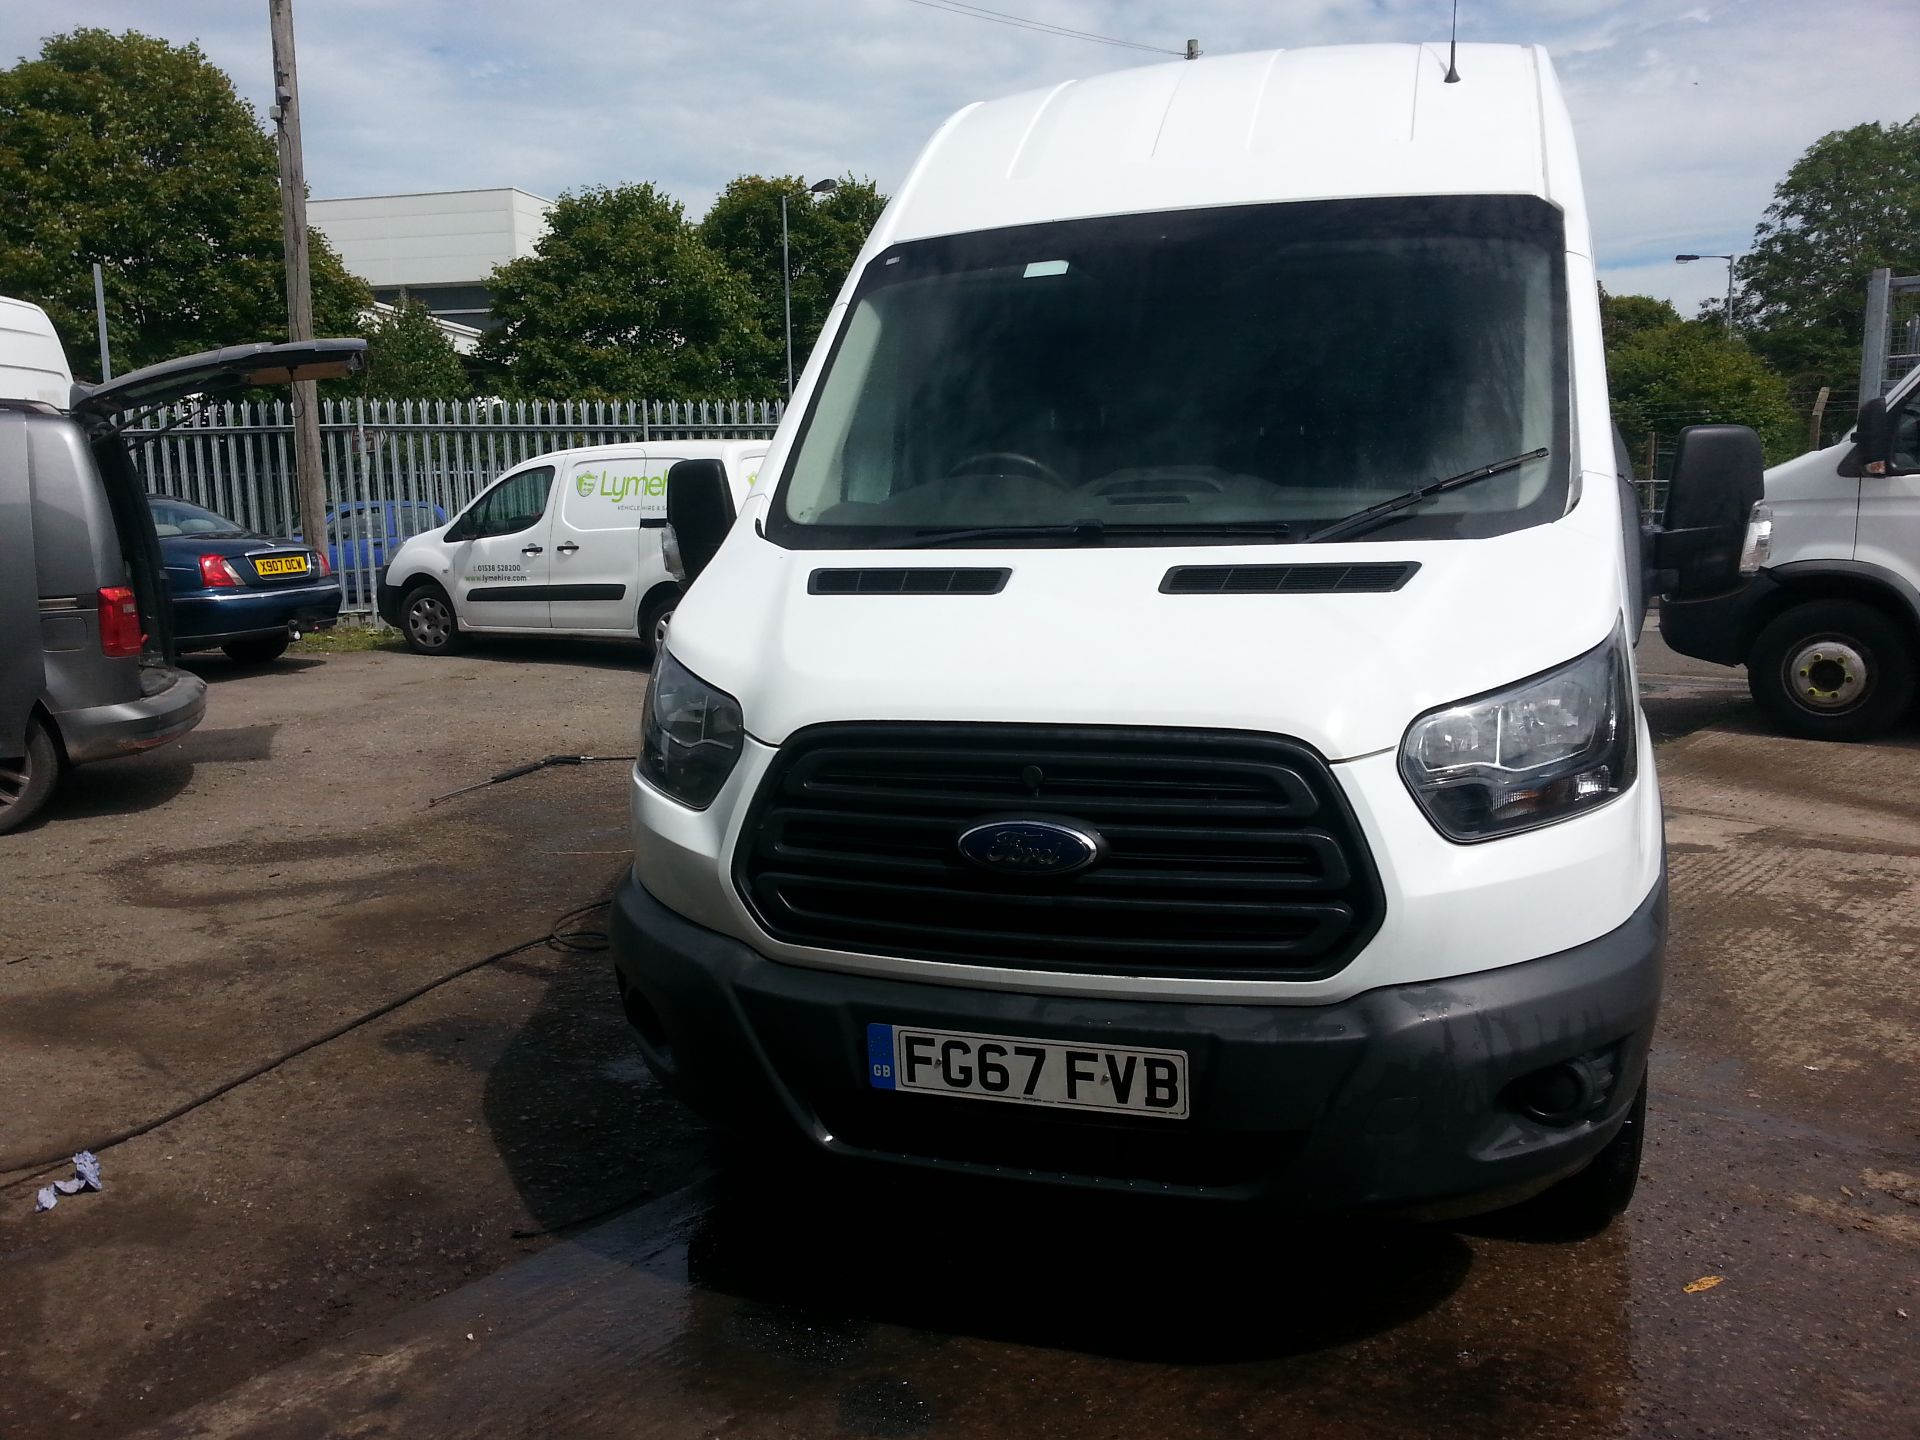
1026, 463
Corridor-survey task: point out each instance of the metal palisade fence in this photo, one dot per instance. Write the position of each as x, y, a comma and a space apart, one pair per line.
395, 467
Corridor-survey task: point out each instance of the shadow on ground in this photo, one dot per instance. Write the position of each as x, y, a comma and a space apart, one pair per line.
216, 669
581, 1126
569, 651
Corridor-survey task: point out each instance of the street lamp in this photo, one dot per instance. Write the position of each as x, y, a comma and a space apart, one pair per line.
1687, 259
819, 187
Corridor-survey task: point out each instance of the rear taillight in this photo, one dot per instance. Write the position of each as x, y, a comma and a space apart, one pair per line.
217, 572
321, 564
120, 632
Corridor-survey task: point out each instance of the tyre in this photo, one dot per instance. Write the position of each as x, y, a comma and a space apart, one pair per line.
1832, 670
427, 621
26, 783
1586, 1202
653, 620
257, 651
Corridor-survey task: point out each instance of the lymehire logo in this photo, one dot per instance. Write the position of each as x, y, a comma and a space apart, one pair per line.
618, 488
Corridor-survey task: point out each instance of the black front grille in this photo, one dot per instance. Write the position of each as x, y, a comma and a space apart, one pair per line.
1224, 854
1377, 579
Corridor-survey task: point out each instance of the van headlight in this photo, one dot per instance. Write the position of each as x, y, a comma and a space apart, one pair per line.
1538, 752
692, 737
1757, 548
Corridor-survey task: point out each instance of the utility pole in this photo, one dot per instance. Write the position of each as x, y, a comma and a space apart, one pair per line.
1731, 260
819, 187
100, 319
293, 224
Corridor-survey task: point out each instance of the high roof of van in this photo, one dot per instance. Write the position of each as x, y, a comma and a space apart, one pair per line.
33, 363
1310, 124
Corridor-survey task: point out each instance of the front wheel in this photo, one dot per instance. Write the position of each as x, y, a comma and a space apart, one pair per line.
257, 651
427, 623
654, 616
1589, 1200
27, 781
1832, 670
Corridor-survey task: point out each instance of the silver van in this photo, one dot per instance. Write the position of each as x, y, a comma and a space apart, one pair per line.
87, 661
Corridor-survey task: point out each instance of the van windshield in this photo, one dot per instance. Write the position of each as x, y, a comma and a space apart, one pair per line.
1189, 376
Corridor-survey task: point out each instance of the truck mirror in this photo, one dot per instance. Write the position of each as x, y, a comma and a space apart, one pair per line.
699, 513
1717, 480
1872, 439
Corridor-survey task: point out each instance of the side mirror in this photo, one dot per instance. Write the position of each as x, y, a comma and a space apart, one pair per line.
1717, 482
699, 514
1873, 438
461, 529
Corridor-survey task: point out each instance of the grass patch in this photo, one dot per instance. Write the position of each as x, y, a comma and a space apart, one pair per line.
348, 636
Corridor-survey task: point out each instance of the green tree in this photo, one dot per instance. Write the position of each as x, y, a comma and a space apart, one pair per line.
408, 358
1666, 377
1848, 206
825, 233
1624, 316
135, 153
621, 298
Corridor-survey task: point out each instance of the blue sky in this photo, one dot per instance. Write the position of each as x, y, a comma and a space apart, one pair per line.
1687, 114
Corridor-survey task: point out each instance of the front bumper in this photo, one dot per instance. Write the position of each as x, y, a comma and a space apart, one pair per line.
172, 703
1401, 1097
206, 619
1719, 630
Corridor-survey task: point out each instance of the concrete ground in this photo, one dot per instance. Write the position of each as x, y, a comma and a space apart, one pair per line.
266, 1264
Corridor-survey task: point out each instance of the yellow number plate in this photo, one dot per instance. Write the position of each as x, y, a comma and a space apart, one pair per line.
281, 565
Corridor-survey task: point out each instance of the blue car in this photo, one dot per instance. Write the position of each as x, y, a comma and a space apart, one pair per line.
236, 591
362, 535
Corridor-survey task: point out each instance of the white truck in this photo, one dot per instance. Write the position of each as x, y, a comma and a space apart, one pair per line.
1829, 629
567, 543
1165, 720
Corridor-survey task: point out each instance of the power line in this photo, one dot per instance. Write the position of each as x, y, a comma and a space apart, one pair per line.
1042, 27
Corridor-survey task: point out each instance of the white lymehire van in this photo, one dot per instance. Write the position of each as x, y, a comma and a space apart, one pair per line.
1829, 630
1166, 718
566, 543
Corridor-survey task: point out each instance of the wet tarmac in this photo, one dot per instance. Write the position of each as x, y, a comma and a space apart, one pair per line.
1765, 1283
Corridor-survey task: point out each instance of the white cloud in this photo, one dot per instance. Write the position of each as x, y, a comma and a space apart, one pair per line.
1686, 117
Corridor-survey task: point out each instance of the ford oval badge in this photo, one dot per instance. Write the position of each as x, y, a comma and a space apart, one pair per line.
1031, 848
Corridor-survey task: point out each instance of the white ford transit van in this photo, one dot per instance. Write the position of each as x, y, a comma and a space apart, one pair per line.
1166, 717
1829, 629
566, 543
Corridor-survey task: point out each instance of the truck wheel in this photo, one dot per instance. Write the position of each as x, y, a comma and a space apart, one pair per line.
1832, 670
1586, 1202
258, 651
25, 783
426, 620
653, 620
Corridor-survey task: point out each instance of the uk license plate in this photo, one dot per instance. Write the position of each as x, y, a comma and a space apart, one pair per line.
1017, 1069
280, 565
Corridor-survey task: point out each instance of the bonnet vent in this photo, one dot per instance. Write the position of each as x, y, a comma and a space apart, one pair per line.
918, 580
1287, 579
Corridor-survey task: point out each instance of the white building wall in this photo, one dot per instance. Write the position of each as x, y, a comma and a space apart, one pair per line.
448, 237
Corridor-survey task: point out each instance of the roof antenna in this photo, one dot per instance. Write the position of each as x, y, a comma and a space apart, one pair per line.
1453, 44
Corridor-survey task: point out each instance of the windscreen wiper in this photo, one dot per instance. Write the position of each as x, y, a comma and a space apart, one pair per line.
1366, 519
1086, 531
1091, 530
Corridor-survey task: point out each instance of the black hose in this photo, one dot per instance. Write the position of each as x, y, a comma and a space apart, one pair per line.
564, 936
